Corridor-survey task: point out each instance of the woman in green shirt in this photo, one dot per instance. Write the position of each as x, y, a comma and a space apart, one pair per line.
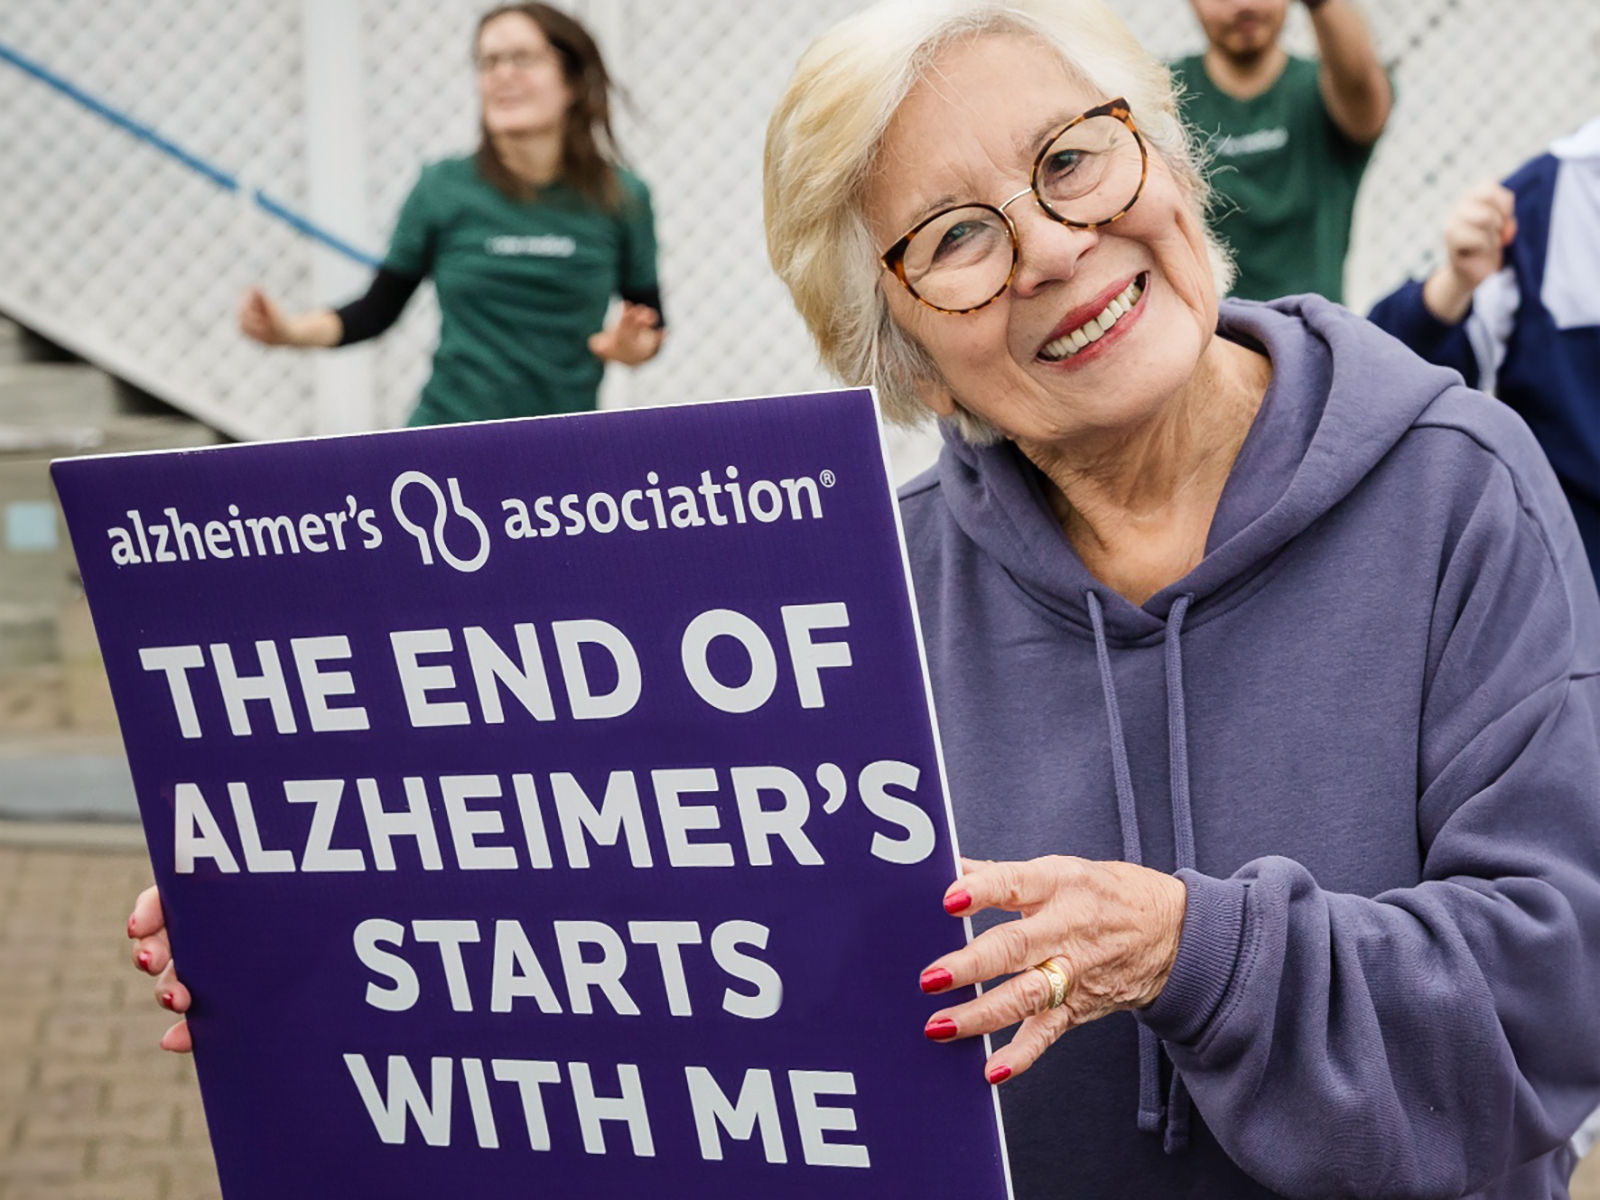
526, 241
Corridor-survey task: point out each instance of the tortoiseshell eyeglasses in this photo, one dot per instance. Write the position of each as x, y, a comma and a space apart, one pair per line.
1089, 173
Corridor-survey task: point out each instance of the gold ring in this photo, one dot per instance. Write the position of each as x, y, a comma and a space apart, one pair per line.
1056, 977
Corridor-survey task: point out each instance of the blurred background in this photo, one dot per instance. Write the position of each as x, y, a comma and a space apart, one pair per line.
159, 156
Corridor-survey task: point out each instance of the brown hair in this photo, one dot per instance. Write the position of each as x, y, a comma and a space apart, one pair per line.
588, 146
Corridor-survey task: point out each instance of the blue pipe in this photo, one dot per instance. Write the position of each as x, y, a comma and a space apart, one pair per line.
223, 179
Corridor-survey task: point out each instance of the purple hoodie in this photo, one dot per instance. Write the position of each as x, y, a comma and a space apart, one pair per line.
1364, 731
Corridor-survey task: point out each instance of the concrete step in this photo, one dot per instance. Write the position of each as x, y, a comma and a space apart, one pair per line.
56, 394
12, 349
28, 639
37, 566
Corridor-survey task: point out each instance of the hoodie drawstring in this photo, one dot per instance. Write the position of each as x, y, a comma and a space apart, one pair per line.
1173, 1118
1178, 1103
1151, 1113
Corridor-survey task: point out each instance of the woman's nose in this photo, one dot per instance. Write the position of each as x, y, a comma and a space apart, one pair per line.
1047, 250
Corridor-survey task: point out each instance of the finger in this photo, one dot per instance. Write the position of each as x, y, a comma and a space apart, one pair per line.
152, 954
1014, 886
1477, 221
177, 1039
1489, 191
147, 916
1033, 1037
1487, 217
1508, 231
170, 992
1025, 994
1006, 949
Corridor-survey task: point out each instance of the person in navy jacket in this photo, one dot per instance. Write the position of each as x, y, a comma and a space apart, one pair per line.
1516, 308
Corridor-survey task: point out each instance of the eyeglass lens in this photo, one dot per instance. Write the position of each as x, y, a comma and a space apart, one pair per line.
517, 60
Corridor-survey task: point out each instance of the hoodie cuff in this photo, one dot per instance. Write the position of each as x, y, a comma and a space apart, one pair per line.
1208, 951
1406, 315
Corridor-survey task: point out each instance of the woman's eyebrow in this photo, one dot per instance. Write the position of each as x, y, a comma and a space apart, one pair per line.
938, 204
1028, 144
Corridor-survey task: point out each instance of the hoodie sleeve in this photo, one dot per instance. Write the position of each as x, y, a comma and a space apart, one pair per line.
1427, 1040
1403, 314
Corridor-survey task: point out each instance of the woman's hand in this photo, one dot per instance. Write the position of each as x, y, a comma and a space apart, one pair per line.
1480, 227
152, 954
261, 320
633, 338
1111, 928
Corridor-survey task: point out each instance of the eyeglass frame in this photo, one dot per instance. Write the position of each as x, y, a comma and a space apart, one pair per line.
518, 60
893, 259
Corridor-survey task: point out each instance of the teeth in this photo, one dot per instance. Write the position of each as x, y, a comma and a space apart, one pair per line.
1095, 327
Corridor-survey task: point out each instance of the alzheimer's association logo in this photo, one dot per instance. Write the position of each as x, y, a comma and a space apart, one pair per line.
431, 534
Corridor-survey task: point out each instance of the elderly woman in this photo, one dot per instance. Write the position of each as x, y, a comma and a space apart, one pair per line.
1265, 655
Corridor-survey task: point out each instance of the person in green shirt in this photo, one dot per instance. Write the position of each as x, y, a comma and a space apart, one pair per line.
527, 241
1289, 138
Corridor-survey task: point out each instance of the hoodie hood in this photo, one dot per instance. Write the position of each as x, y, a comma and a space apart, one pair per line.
1341, 396
1339, 400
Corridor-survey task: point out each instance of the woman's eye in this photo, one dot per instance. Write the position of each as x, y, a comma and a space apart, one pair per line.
955, 237
1063, 162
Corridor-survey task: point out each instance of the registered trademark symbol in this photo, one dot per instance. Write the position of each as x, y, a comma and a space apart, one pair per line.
828, 479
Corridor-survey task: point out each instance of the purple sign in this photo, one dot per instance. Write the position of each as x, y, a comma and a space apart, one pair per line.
544, 808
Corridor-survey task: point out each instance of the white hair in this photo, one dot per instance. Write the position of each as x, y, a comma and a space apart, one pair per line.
824, 138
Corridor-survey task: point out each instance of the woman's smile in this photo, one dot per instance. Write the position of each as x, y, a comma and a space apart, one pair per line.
1089, 330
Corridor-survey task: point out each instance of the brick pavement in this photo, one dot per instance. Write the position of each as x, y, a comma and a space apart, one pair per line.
90, 1108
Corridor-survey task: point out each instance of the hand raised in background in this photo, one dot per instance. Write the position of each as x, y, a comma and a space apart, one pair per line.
1480, 227
633, 338
261, 320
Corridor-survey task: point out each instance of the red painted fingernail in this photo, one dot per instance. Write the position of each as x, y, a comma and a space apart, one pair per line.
956, 901
935, 979
166, 999
999, 1074
144, 960
940, 1029
130, 926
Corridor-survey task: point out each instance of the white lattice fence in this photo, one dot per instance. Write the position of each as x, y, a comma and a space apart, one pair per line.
138, 262
116, 249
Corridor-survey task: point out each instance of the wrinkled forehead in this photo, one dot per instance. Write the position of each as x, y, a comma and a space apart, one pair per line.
970, 128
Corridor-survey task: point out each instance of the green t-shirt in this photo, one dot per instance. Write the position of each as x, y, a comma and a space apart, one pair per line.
522, 285
1285, 178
